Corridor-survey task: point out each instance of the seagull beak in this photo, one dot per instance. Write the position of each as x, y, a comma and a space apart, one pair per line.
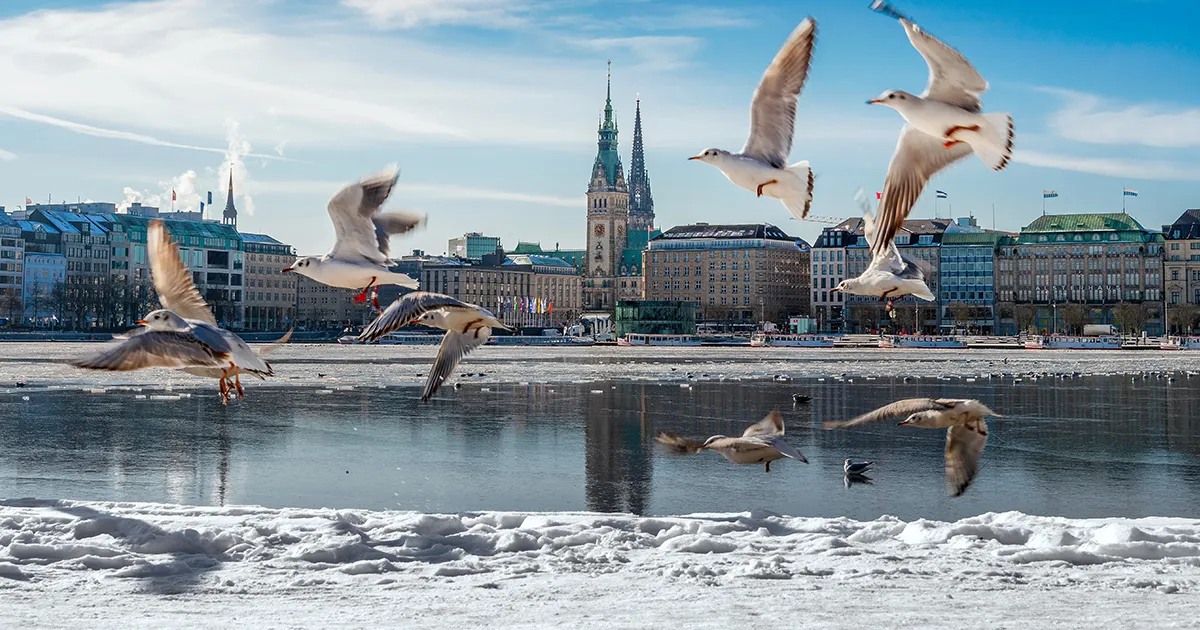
289, 270
141, 322
874, 101
695, 157
834, 290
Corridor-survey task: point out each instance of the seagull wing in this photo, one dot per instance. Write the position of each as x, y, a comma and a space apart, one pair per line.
405, 310
361, 231
964, 445
172, 280
788, 450
770, 425
918, 157
678, 444
155, 349
274, 345
952, 79
897, 409
886, 258
455, 346
773, 110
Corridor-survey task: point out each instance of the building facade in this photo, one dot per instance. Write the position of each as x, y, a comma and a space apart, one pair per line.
521, 290
322, 307
732, 273
12, 265
967, 277
1065, 271
1181, 270
919, 241
829, 269
615, 228
472, 246
270, 294
43, 273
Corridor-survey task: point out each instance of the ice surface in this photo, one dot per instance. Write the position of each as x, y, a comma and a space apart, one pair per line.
303, 567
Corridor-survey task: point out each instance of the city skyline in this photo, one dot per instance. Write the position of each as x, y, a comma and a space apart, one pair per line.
489, 107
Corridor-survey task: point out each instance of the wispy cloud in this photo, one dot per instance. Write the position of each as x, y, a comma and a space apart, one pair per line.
414, 190
657, 52
1089, 118
688, 18
416, 13
7, 156
1112, 167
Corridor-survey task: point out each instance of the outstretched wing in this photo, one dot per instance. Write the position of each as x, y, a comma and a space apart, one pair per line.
405, 310
919, 156
172, 280
773, 110
678, 444
964, 445
788, 450
361, 230
770, 425
455, 346
952, 79
275, 345
155, 349
898, 409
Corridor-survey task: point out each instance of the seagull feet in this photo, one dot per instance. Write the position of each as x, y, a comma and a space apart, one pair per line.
951, 140
362, 295
760, 186
237, 379
375, 301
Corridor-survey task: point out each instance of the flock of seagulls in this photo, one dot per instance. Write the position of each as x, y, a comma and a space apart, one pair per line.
944, 124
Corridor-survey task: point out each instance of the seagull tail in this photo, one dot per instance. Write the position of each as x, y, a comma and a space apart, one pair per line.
799, 201
993, 144
921, 291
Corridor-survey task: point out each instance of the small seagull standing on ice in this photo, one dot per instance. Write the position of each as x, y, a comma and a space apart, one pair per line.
889, 275
945, 124
467, 327
761, 443
761, 166
360, 255
965, 438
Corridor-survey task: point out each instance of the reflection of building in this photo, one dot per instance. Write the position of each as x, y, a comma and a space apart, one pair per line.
472, 246
1181, 261
752, 272
616, 230
618, 466
828, 269
270, 296
918, 241
1097, 261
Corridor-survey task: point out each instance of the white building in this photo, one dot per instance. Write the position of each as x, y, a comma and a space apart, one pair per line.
43, 272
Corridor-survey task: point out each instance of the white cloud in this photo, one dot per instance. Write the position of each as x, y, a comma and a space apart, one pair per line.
657, 52
406, 191
415, 13
1113, 167
1088, 118
7, 156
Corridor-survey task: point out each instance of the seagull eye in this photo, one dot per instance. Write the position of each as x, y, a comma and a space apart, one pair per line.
891, 96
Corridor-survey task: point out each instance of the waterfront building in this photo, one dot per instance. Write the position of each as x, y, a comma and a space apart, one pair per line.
918, 241
1067, 270
45, 275
12, 274
472, 246
967, 277
270, 294
655, 317
322, 307
829, 269
521, 289
1181, 269
733, 273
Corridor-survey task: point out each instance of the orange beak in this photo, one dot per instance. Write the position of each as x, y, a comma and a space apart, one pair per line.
874, 101
141, 322
695, 157
289, 269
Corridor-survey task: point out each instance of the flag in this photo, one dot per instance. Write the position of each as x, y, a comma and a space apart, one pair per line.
1049, 194
550, 307
28, 201
172, 194
210, 197
1129, 192
941, 194
878, 196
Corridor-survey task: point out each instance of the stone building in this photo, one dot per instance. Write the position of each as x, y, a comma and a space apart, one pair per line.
521, 289
1181, 269
732, 273
270, 294
919, 241
828, 269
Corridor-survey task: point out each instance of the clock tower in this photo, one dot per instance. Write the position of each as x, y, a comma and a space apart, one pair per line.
607, 216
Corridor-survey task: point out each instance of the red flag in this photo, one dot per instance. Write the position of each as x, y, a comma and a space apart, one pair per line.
28, 201
878, 196
550, 307
172, 194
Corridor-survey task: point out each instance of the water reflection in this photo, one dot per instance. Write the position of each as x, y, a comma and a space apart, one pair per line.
1091, 446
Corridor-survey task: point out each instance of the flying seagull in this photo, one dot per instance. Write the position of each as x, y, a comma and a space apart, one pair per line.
965, 438
467, 327
889, 275
761, 443
360, 255
945, 124
183, 334
761, 165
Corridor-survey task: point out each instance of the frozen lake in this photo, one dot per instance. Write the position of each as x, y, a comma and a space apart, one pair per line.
550, 429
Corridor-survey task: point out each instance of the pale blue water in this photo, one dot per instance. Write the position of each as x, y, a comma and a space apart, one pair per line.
1078, 447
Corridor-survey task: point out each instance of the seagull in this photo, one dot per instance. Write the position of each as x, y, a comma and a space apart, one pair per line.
889, 275
183, 334
761, 443
965, 438
800, 398
761, 165
360, 255
945, 124
212, 372
467, 327
855, 468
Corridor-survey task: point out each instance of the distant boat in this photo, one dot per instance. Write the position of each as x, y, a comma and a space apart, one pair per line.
638, 339
1181, 343
1067, 342
921, 341
781, 340
397, 338
539, 340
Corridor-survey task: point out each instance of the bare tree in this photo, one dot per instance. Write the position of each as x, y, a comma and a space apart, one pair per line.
1182, 317
59, 300
962, 313
1025, 314
33, 301
1074, 316
14, 307
904, 318
867, 317
1130, 317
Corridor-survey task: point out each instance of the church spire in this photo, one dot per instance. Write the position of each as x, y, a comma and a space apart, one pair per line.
230, 216
606, 172
641, 203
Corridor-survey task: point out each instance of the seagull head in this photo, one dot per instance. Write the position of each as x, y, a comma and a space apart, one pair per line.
303, 265
164, 320
712, 439
849, 285
896, 99
712, 156
919, 419
433, 319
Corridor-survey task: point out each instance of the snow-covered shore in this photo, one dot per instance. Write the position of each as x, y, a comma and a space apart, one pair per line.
66, 563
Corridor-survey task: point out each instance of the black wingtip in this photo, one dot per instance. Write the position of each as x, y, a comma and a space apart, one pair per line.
881, 6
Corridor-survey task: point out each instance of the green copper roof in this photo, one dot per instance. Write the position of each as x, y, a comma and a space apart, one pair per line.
525, 247
608, 160
972, 238
1120, 222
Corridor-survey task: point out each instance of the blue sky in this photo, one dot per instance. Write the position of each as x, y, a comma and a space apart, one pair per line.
490, 106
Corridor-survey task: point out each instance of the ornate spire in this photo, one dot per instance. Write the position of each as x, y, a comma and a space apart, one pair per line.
230, 216
640, 200
607, 174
